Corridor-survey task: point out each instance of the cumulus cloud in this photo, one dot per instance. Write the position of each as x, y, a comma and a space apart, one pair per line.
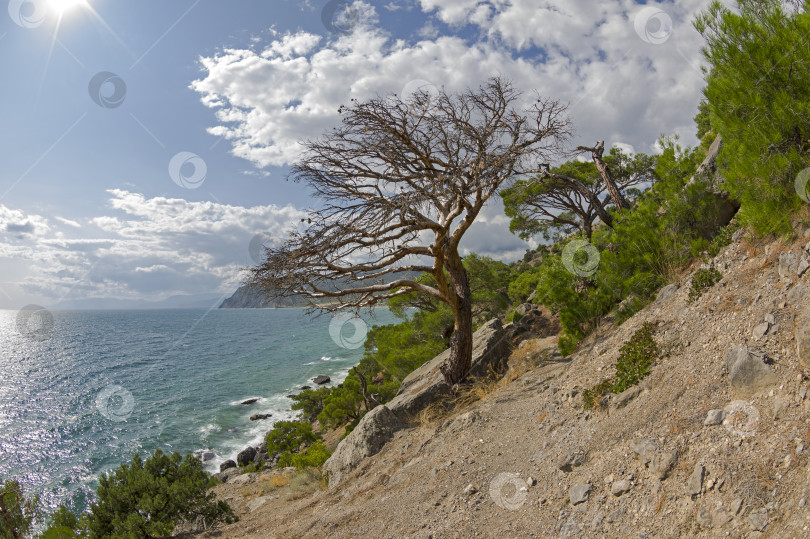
148, 248
619, 86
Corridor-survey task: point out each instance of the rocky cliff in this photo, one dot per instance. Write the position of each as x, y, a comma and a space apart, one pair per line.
246, 297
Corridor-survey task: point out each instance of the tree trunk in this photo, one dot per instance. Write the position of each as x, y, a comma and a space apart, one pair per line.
616, 195
587, 228
458, 365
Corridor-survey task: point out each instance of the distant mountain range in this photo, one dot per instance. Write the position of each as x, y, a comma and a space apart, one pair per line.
246, 297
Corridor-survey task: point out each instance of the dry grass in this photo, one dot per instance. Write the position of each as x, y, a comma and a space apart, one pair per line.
478, 389
660, 505
428, 417
279, 480
779, 247
303, 484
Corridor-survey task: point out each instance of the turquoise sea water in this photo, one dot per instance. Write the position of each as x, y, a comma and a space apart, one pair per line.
103, 385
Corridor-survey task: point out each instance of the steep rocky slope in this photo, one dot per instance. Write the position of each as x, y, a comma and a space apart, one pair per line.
713, 442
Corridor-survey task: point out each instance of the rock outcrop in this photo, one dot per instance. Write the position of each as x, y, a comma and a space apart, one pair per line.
421, 388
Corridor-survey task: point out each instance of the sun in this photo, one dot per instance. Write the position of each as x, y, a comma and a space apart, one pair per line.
61, 6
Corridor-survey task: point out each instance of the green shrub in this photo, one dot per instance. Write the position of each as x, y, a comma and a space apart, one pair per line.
758, 100
64, 525
636, 357
289, 436
313, 457
251, 468
148, 498
722, 239
17, 513
310, 402
702, 280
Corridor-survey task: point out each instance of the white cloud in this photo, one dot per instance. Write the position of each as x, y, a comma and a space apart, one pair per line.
151, 248
18, 225
620, 87
68, 222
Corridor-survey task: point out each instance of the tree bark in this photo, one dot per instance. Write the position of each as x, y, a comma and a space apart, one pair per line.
616, 195
587, 228
458, 365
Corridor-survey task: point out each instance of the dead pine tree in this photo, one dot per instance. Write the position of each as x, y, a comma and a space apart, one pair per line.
399, 183
615, 194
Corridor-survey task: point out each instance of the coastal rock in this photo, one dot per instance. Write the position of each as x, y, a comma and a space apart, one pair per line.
243, 479
538, 323
375, 429
249, 401
260, 457
257, 417
419, 389
320, 380
804, 265
227, 475
226, 465
304, 388
246, 456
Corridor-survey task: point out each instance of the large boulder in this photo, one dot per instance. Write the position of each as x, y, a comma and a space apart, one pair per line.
246, 456
747, 372
537, 323
426, 384
227, 464
421, 388
369, 436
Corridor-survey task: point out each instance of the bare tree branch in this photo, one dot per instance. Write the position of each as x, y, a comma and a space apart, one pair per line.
400, 183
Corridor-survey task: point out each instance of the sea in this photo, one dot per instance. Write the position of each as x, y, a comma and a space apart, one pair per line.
83, 391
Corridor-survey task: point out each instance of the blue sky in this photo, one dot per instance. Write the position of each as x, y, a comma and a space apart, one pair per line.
88, 205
